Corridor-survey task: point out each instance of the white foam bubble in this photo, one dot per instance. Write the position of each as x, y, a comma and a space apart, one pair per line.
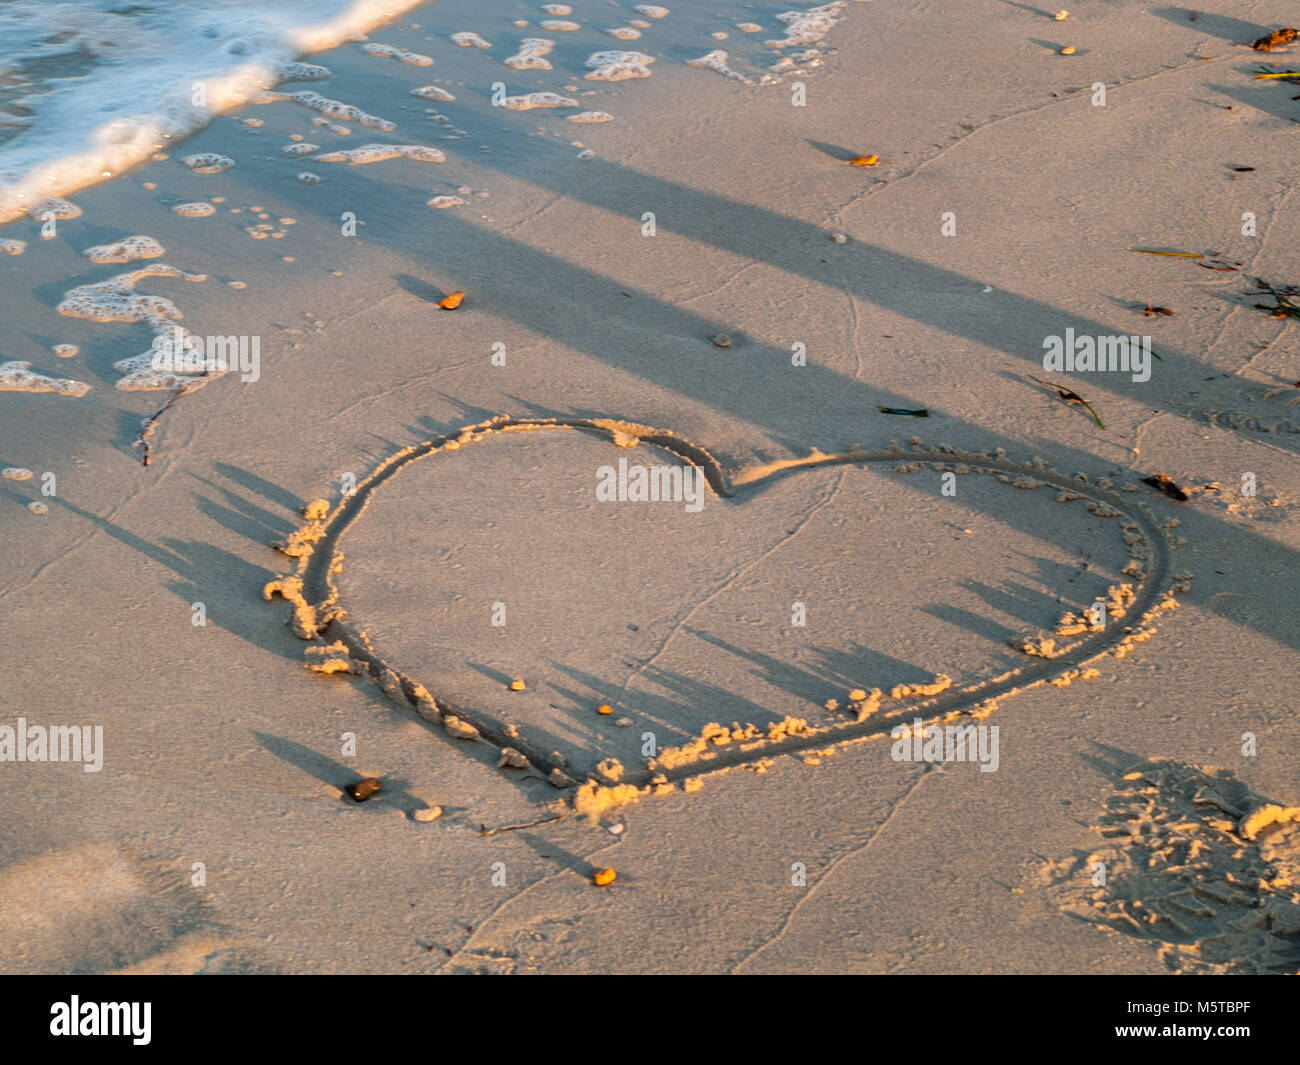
16, 473
443, 202
469, 39
618, 66
624, 33
53, 207
308, 178
717, 61
17, 377
171, 361
529, 57
591, 116
9, 246
433, 92
300, 148
537, 99
377, 153
126, 250
650, 10
65, 351
554, 25
557, 9
304, 72
115, 299
807, 27
208, 163
387, 51
327, 107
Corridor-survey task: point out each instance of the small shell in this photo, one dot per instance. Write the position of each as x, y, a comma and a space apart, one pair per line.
604, 877
518, 685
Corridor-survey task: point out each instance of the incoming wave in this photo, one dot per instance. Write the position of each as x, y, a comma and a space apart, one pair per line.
89, 88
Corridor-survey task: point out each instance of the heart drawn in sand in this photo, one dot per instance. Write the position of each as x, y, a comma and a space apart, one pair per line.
375, 619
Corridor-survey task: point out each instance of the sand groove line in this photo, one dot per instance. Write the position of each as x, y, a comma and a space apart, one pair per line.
320, 591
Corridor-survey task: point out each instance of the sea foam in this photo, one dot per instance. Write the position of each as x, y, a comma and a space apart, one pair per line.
136, 71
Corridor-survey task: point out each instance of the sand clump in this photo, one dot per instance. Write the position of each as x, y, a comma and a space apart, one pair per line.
512, 759
713, 736
921, 691
332, 658
594, 799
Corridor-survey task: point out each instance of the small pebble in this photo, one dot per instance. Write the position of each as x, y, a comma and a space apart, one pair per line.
38, 508
427, 813
363, 789
604, 877
1068, 50
1061, 16
721, 341
518, 686
839, 238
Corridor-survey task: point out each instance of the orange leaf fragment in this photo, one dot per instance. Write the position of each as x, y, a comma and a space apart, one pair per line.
452, 301
865, 160
604, 877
